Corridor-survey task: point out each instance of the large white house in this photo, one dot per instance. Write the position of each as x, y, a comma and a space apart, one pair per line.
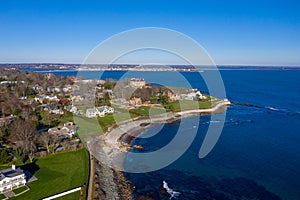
11, 178
68, 129
137, 82
99, 112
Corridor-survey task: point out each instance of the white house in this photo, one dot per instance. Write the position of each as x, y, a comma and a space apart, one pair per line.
69, 129
137, 82
193, 95
91, 112
56, 111
100, 111
11, 178
71, 108
103, 110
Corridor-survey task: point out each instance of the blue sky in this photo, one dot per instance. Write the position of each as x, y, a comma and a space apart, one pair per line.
233, 32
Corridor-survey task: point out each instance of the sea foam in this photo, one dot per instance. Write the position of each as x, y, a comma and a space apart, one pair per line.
173, 193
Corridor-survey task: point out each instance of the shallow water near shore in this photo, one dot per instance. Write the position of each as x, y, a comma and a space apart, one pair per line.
257, 155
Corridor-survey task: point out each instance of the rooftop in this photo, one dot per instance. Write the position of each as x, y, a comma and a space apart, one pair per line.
9, 172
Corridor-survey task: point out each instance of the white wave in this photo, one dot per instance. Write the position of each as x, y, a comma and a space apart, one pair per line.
215, 121
272, 108
173, 193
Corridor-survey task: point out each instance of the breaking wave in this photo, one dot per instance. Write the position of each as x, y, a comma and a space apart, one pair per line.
172, 192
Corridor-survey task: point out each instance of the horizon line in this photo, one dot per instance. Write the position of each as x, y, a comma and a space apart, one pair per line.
139, 64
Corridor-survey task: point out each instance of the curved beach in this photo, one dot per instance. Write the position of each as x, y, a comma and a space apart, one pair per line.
111, 148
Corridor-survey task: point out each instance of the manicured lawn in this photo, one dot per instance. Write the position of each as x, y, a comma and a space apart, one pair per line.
57, 173
2, 196
147, 111
5, 167
19, 190
87, 126
205, 104
181, 105
109, 120
72, 196
176, 106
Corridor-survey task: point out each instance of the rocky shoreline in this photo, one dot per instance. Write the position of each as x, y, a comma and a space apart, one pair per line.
111, 184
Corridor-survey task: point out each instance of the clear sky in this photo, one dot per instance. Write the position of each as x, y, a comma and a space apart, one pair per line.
253, 32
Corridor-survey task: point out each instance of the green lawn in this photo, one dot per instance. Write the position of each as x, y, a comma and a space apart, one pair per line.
95, 126
4, 166
147, 111
181, 105
72, 196
87, 127
19, 190
109, 120
2, 196
57, 173
177, 106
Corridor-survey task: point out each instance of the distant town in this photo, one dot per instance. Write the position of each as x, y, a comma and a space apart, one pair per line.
137, 67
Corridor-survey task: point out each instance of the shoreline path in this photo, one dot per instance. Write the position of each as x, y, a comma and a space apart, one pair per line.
109, 149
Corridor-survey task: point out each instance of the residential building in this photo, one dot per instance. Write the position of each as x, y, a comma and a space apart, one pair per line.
68, 129
91, 112
137, 82
99, 112
11, 178
135, 101
56, 111
71, 108
120, 102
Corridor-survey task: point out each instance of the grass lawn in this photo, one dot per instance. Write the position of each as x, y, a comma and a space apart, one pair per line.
109, 120
205, 104
147, 111
19, 190
87, 126
57, 173
182, 105
72, 196
2, 196
5, 167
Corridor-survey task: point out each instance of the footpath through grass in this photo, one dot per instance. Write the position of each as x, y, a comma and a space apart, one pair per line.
57, 173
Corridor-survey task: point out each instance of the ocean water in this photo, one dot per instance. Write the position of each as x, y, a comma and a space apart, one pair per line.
257, 155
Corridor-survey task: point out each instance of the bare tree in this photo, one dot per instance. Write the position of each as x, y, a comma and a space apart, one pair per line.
31, 154
49, 141
23, 135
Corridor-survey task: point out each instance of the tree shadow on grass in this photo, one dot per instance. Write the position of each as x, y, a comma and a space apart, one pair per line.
31, 167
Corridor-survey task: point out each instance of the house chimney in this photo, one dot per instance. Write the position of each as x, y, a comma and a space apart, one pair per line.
13, 167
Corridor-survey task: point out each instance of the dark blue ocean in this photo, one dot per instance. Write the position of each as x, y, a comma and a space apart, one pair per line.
258, 153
